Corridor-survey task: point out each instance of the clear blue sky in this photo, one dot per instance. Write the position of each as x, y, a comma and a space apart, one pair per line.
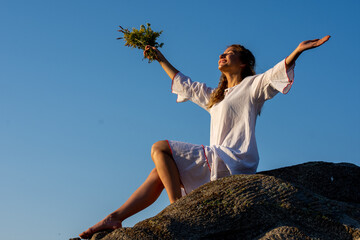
79, 111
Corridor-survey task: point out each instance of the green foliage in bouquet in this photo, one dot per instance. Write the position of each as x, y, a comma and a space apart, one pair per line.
140, 38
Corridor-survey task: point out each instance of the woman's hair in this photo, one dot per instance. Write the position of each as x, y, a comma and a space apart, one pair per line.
247, 58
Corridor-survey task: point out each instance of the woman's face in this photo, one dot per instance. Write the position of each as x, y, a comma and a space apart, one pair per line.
229, 61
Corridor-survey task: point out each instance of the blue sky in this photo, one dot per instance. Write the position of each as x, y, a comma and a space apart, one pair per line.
79, 111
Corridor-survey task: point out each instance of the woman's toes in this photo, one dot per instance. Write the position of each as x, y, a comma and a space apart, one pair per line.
86, 235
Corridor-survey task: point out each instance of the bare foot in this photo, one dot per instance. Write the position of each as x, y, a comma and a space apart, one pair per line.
108, 223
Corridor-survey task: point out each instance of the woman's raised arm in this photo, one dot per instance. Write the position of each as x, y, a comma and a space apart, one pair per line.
303, 46
169, 69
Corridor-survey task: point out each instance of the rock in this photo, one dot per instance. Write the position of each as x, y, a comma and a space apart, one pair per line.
315, 200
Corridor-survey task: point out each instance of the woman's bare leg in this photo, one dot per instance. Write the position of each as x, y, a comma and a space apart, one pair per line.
167, 169
143, 197
164, 175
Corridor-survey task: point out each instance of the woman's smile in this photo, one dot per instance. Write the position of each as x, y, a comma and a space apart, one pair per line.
222, 61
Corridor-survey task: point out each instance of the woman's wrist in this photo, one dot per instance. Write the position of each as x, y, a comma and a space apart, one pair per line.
161, 59
299, 50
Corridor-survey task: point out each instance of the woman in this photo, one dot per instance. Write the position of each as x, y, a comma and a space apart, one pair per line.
233, 106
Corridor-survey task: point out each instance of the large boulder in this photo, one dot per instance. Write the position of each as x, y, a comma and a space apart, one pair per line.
315, 200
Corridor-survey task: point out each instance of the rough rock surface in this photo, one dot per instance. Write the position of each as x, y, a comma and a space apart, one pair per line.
315, 200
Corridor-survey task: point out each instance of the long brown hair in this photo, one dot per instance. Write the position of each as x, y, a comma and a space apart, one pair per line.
247, 58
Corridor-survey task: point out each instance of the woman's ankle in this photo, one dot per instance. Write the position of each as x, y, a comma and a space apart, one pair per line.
115, 216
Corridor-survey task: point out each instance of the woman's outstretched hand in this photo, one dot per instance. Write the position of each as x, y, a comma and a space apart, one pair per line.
303, 46
309, 44
158, 54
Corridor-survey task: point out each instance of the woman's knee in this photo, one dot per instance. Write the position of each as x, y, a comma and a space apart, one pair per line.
160, 147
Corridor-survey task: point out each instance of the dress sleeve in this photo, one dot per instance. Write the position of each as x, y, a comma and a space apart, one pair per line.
277, 79
186, 90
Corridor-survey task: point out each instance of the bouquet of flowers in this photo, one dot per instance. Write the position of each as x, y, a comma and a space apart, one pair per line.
140, 38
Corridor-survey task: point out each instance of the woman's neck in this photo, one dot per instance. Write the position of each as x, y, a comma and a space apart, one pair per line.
233, 79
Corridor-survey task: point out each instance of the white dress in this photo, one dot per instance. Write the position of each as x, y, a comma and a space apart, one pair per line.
233, 148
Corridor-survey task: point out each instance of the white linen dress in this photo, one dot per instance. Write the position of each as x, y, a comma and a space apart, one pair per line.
233, 148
